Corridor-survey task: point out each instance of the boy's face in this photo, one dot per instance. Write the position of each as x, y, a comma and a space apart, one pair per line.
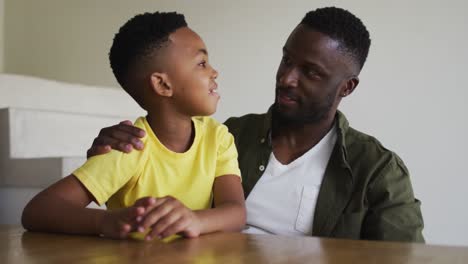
191, 76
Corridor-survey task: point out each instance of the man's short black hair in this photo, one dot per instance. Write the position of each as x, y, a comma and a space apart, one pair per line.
341, 25
138, 40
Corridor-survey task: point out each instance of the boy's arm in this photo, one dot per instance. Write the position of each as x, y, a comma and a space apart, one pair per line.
169, 216
229, 212
62, 208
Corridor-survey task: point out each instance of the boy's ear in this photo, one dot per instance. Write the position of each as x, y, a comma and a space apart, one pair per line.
160, 84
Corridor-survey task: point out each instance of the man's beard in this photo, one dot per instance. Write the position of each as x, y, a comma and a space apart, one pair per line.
310, 114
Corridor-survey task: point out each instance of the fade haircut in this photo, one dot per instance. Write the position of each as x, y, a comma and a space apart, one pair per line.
341, 25
139, 40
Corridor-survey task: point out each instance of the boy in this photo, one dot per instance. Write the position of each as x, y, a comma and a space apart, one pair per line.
188, 163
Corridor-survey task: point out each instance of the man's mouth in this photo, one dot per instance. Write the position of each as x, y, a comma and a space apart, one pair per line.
286, 97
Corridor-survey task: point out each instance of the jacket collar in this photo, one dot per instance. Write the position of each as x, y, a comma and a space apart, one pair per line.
342, 125
337, 184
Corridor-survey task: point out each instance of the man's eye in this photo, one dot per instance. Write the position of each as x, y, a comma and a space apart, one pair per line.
286, 60
203, 64
312, 74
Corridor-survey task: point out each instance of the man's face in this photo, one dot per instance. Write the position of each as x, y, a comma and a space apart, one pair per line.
191, 76
309, 77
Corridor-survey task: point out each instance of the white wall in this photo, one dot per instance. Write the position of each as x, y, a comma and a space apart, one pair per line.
413, 99
2, 22
411, 94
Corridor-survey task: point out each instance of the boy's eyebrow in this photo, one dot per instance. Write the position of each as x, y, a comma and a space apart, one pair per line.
204, 51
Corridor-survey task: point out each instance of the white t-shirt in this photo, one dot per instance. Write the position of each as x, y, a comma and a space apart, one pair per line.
283, 200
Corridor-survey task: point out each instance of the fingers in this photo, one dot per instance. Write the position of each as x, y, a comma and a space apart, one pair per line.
145, 201
176, 227
148, 204
119, 223
134, 212
126, 122
118, 140
97, 150
169, 217
171, 220
126, 127
130, 219
125, 229
165, 206
165, 216
123, 137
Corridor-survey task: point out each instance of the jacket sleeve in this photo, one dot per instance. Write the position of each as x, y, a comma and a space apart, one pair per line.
394, 213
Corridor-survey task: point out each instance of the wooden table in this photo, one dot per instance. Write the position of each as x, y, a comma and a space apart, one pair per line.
18, 246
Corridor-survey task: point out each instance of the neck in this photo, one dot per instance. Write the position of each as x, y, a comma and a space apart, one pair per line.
174, 131
292, 140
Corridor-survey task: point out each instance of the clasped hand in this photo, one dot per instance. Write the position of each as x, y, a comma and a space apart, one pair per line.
163, 217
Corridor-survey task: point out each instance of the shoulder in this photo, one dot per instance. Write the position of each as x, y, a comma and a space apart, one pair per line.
250, 127
213, 133
238, 123
359, 143
132, 157
210, 128
245, 118
361, 148
208, 124
366, 155
141, 123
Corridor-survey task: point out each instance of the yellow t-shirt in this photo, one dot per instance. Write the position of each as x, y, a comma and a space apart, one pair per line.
119, 179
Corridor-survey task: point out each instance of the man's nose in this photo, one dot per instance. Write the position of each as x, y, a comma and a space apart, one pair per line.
289, 77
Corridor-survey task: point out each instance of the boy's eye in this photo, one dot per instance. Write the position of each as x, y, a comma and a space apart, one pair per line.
203, 64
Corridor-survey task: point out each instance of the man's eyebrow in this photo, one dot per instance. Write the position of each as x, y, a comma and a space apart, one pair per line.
308, 63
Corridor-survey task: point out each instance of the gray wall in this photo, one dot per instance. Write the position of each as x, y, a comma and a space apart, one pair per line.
411, 94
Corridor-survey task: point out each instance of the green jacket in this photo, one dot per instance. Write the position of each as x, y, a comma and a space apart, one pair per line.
366, 191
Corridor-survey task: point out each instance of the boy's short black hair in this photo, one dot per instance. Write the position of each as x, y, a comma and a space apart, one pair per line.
138, 40
343, 26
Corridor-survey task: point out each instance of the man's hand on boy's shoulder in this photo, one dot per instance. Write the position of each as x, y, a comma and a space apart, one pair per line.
122, 137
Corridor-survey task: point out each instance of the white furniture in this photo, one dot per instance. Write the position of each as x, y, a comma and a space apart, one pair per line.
45, 129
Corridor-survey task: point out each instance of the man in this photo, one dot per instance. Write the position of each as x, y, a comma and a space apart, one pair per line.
305, 170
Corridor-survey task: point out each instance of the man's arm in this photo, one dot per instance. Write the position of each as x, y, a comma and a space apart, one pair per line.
394, 213
62, 208
122, 137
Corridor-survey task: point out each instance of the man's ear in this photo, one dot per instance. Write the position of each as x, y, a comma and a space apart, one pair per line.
349, 86
160, 84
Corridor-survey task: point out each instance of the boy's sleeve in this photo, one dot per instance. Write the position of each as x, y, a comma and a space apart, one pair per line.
103, 175
227, 154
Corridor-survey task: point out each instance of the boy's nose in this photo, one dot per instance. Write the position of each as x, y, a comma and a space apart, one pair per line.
214, 74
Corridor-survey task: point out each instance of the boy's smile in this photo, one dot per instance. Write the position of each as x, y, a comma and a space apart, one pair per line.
214, 90
191, 77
